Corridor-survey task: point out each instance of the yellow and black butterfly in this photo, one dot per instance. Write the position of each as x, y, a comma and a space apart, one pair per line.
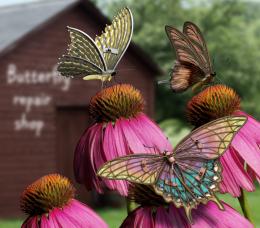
97, 59
187, 176
193, 66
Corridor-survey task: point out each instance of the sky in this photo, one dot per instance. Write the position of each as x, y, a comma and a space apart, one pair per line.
11, 2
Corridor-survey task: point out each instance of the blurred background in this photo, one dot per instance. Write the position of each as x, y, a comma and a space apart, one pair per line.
37, 105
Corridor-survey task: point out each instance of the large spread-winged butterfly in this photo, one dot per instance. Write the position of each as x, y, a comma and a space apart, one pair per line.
187, 176
193, 66
97, 59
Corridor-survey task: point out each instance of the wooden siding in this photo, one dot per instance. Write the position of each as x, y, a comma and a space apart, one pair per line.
25, 157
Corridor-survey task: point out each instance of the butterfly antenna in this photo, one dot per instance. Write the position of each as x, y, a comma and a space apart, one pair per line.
221, 81
165, 81
127, 69
150, 147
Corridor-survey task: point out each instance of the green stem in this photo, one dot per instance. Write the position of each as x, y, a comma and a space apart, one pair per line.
130, 206
244, 205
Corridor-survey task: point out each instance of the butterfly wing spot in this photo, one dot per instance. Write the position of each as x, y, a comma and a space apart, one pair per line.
113, 51
201, 173
170, 183
212, 187
144, 165
198, 144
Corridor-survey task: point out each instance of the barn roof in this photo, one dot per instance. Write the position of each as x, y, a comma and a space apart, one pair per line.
20, 21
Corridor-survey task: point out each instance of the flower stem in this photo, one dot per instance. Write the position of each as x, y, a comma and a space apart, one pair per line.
244, 205
130, 206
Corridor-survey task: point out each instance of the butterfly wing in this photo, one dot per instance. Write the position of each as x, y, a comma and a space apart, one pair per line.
210, 140
188, 68
184, 49
195, 36
195, 175
189, 186
114, 41
77, 67
83, 57
137, 168
184, 75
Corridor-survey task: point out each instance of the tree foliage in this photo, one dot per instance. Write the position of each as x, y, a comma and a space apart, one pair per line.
231, 29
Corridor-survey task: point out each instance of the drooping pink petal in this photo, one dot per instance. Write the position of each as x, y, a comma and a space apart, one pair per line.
103, 142
140, 217
155, 138
247, 142
252, 174
247, 150
253, 126
180, 219
171, 218
73, 215
50, 222
132, 137
205, 216
209, 215
82, 215
233, 181
112, 149
61, 219
31, 222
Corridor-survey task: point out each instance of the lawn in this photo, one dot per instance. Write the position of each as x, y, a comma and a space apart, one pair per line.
114, 217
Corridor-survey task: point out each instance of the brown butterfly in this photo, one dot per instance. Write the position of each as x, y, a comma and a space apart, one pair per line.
193, 66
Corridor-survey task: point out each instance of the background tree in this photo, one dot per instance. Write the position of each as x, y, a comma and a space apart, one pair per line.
231, 29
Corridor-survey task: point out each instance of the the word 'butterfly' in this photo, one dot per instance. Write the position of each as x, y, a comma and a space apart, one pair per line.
97, 59
187, 176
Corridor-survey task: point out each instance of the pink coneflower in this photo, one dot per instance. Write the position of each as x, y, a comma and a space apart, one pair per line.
49, 203
120, 128
205, 216
241, 162
155, 213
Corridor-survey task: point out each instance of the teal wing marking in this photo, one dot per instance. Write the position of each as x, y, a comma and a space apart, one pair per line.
189, 183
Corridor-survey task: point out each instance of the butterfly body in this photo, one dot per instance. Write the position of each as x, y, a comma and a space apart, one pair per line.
204, 82
187, 176
193, 66
97, 59
105, 76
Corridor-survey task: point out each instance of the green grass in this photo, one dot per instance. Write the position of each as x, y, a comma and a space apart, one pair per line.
15, 223
114, 217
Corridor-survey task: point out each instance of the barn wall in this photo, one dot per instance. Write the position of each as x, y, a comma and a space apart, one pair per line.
25, 156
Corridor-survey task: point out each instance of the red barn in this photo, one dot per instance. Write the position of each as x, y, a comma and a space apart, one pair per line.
43, 114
